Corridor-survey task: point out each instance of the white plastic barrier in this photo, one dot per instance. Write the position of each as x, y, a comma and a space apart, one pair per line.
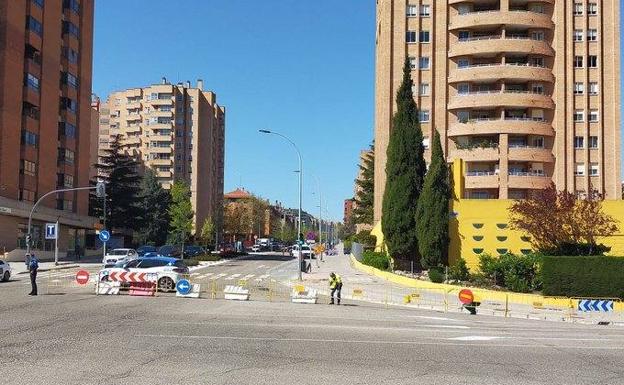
237, 293
304, 296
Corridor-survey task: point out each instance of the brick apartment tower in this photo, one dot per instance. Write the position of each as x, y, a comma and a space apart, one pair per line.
45, 110
526, 92
176, 130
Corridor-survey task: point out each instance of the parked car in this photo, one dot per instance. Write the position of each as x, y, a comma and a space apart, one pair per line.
306, 251
119, 255
146, 249
256, 248
172, 251
169, 270
193, 251
5, 271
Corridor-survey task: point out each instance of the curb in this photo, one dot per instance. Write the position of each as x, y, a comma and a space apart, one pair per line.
64, 267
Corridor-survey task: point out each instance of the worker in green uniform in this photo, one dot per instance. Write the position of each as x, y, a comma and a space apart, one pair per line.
335, 284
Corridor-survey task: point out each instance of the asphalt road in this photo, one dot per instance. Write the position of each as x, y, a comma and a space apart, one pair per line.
80, 338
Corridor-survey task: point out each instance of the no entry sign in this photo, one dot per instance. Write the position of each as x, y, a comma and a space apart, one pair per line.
466, 296
82, 277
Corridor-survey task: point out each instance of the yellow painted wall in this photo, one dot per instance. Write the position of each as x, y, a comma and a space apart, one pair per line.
482, 226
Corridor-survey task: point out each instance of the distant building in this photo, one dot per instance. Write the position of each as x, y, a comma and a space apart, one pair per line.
46, 52
176, 130
348, 210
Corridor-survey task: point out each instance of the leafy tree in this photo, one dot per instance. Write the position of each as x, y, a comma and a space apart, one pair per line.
405, 170
364, 198
433, 210
181, 213
118, 170
560, 223
236, 218
208, 231
153, 203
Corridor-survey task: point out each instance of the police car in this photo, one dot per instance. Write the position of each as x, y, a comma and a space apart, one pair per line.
168, 270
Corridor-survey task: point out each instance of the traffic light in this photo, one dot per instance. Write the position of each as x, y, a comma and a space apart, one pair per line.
100, 189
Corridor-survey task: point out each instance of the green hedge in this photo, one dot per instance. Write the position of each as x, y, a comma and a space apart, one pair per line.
376, 260
598, 276
208, 257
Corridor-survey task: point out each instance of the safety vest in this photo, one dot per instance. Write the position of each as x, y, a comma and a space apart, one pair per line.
333, 282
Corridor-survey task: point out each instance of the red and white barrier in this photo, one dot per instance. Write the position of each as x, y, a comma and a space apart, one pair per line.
128, 277
141, 284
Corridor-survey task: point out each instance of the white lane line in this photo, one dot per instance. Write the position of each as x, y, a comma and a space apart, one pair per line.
220, 275
248, 276
373, 342
446, 326
194, 274
435, 318
261, 266
233, 276
262, 277
474, 338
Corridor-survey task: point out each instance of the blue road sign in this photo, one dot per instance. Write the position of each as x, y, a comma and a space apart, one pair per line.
601, 305
50, 231
104, 235
183, 287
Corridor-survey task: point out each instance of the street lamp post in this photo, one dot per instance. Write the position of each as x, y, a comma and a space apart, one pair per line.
300, 189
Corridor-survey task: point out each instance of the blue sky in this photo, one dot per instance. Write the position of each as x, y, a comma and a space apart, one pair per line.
303, 68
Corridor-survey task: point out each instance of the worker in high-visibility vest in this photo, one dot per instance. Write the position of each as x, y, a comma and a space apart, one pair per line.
335, 284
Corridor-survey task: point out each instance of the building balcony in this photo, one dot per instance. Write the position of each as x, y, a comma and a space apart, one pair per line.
497, 98
497, 44
524, 126
451, 2
163, 114
164, 174
530, 154
133, 105
161, 150
161, 138
161, 102
481, 180
528, 180
161, 126
476, 154
520, 18
493, 72
160, 162
132, 140
133, 117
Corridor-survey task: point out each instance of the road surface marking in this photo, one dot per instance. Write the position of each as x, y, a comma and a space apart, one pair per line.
260, 278
374, 342
435, 318
233, 276
446, 326
261, 266
474, 338
248, 276
194, 274
221, 275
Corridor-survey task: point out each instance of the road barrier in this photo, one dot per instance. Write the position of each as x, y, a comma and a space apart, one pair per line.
237, 293
139, 284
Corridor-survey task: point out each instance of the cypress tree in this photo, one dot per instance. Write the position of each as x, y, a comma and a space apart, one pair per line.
364, 199
405, 171
433, 210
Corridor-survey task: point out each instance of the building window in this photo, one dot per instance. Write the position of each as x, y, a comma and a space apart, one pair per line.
593, 142
64, 180
579, 88
423, 36
578, 61
412, 10
34, 25
578, 35
69, 79
425, 142
411, 36
425, 10
30, 110
31, 81
30, 138
538, 35
579, 142
423, 116
71, 28
70, 55
423, 89
463, 88
38, 3
65, 155
592, 35
412, 62
593, 169
592, 9
69, 105
579, 169
28, 168
592, 61
423, 63
579, 115
72, 5
578, 9
67, 130
593, 115
26, 195
593, 88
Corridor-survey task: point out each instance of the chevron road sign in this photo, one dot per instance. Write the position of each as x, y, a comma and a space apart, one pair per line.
132, 277
601, 305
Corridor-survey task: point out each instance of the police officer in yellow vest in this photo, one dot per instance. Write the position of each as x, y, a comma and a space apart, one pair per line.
335, 284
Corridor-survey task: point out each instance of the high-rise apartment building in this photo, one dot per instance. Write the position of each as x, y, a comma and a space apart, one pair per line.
525, 92
45, 111
178, 131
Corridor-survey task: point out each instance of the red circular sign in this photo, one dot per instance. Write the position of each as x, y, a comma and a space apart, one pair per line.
466, 296
82, 277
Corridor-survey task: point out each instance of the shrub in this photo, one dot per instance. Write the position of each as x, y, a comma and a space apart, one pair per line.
365, 238
191, 262
515, 272
459, 271
597, 276
377, 260
568, 249
232, 254
208, 257
436, 275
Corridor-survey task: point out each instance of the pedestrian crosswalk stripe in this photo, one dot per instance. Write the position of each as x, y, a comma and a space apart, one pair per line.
261, 266
233, 276
220, 275
248, 276
260, 278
